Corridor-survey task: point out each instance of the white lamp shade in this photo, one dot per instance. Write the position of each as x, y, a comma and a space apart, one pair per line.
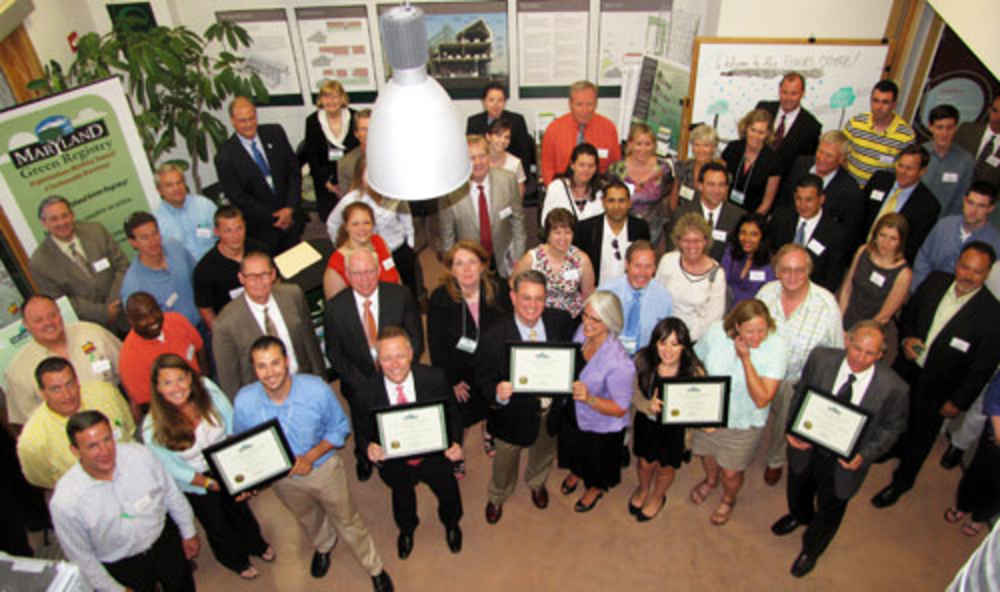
416, 140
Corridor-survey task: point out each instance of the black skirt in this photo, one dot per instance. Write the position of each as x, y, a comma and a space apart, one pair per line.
594, 457
656, 442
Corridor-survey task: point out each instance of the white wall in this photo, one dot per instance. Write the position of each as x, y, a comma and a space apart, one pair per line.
864, 19
50, 24
975, 21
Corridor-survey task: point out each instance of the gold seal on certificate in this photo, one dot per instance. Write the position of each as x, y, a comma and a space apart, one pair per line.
545, 369
252, 459
412, 430
701, 401
829, 422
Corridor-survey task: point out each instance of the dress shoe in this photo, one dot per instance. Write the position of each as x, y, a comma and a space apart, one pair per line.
320, 564
493, 512
382, 582
404, 544
454, 538
785, 525
803, 565
540, 497
772, 475
364, 469
887, 496
952, 457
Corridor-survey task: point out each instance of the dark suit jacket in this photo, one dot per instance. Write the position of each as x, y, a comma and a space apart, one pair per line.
729, 216
588, 236
317, 153
235, 330
346, 343
431, 386
844, 200
921, 212
801, 139
830, 265
951, 374
518, 421
968, 136
245, 186
886, 397
521, 143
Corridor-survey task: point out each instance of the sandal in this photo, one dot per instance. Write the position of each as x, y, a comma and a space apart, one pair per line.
566, 488
701, 492
971, 529
489, 445
269, 554
249, 573
722, 514
953, 516
459, 469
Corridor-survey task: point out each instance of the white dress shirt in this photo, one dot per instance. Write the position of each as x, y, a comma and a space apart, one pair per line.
257, 310
613, 267
789, 119
827, 178
810, 228
409, 390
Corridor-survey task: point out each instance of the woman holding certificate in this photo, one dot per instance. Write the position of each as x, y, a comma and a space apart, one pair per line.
590, 444
746, 347
187, 414
659, 448
467, 301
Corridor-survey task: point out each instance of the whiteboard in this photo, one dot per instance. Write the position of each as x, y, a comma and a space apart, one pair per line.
733, 75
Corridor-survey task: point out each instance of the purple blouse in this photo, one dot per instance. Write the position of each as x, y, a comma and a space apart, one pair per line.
743, 288
608, 375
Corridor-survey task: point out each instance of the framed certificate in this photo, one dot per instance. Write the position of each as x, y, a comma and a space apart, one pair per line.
543, 369
252, 459
701, 402
826, 421
412, 430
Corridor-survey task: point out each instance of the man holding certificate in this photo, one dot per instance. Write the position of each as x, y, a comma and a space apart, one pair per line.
854, 376
315, 491
519, 421
417, 443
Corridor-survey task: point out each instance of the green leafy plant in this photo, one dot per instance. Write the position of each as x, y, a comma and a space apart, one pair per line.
172, 79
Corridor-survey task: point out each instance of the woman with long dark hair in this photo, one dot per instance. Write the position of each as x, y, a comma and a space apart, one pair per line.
747, 260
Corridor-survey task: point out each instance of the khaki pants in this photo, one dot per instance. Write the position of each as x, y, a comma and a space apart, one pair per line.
778, 417
506, 465
322, 504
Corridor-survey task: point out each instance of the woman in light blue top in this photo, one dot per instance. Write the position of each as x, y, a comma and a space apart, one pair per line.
746, 347
187, 414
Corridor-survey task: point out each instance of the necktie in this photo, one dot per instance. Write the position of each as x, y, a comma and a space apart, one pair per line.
579, 135
370, 330
258, 157
400, 395
988, 149
711, 220
846, 392
485, 232
80, 259
632, 316
532, 335
800, 233
269, 323
779, 134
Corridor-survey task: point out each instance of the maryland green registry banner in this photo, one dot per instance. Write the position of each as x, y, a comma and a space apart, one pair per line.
81, 144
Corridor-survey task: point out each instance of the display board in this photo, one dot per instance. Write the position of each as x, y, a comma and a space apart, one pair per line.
729, 76
336, 43
270, 54
552, 45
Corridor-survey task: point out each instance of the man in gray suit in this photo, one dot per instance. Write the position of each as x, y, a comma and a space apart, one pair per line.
854, 376
722, 216
264, 308
982, 141
80, 260
499, 227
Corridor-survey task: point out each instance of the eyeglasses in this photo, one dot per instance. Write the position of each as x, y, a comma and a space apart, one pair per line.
616, 247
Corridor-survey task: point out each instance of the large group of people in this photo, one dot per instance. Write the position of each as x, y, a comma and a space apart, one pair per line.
851, 262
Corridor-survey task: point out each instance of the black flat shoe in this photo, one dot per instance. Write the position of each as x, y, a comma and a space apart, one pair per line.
404, 544
320, 564
580, 507
454, 538
635, 511
566, 488
640, 517
382, 582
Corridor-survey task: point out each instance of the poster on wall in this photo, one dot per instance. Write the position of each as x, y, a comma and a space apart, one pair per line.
467, 45
270, 52
337, 45
630, 27
81, 144
658, 101
552, 42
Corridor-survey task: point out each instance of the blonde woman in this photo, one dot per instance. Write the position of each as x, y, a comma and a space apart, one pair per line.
329, 135
649, 181
753, 166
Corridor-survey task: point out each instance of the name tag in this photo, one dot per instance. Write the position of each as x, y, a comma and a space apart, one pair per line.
886, 159
686, 192
467, 345
816, 247
171, 300
628, 343
335, 153
190, 352
142, 504
388, 264
737, 197
116, 432
877, 195
602, 152
959, 344
571, 274
877, 278
235, 293
949, 178
993, 161
757, 275
719, 235
203, 232
631, 188
101, 366
270, 181
101, 264
505, 213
